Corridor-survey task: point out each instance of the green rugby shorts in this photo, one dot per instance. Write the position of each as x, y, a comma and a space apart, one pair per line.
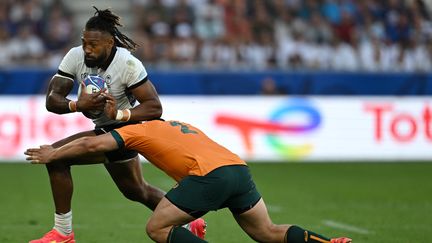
225, 187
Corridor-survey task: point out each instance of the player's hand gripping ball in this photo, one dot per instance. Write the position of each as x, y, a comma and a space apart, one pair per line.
93, 84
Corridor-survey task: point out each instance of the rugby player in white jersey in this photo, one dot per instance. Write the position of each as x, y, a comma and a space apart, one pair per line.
105, 51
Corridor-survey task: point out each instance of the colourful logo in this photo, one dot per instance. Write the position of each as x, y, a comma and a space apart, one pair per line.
277, 131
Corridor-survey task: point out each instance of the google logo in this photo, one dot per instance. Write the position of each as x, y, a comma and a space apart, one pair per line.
276, 129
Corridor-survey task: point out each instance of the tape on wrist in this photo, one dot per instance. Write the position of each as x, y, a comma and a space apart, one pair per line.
123, 115
72, 106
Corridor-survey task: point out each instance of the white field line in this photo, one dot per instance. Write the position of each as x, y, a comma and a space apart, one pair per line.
346, 227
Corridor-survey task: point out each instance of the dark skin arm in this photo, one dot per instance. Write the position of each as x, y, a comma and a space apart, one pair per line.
149, 106
57, 102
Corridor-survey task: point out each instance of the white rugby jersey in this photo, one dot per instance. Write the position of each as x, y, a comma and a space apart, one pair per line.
123, 71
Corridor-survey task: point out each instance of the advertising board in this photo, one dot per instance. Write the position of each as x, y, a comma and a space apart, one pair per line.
257, 128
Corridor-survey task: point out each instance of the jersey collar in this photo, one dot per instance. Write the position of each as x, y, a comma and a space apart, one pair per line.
110, 58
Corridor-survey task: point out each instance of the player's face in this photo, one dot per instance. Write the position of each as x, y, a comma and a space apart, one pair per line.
97, 46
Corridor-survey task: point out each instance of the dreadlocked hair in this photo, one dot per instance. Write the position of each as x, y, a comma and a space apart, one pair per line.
105, 20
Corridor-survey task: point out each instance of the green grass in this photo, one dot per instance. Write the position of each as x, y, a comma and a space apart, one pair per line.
370, 202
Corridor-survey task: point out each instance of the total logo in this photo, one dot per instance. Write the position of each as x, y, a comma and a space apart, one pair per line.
292, 118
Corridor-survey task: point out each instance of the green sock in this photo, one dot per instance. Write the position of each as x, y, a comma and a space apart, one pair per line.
296, 234
179, 234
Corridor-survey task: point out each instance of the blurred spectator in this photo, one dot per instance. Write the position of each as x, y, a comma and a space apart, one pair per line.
58, 31
257, 54
237, 25
344, 30
308, 7
370, 53
184, 46
26, 47
261, 23
5, 21
318, 30
27, 12
414, 57
269, 87
158, 8
292, 52
5, 48
207, 54
398, 29
389, 56
344, 56
182, 18
209, 21
225, 53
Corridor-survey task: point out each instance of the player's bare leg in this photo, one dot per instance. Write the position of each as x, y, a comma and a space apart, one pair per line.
62, 190
128, 178
165, 223
60, 176
257, 224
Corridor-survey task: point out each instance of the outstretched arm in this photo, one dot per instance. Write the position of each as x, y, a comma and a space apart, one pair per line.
46, 153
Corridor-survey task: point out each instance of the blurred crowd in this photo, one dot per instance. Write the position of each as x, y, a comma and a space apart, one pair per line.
340, 35
34, 32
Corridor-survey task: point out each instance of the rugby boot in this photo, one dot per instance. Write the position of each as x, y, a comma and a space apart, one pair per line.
54, 236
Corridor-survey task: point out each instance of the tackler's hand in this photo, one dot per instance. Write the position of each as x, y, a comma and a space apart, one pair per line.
41, 155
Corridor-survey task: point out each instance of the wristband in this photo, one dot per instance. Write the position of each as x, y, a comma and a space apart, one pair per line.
123, 115
72, 106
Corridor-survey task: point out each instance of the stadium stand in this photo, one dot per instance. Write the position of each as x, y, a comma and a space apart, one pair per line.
341, 35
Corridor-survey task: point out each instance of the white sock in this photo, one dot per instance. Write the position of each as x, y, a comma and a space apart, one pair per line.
63, 223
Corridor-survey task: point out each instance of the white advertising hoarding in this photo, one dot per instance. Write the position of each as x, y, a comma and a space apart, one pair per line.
258, 128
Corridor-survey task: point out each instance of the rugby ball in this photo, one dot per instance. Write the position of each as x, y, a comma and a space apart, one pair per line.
92, 84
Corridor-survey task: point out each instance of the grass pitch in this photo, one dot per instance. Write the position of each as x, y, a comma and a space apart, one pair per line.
370, 202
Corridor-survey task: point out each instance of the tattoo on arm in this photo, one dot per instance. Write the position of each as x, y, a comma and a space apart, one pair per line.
56, 100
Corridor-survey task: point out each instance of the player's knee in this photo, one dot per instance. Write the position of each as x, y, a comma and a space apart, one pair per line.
137, 193
133, 195
152, 231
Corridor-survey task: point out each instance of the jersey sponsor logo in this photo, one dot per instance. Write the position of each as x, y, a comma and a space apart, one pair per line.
108, 79
84, 75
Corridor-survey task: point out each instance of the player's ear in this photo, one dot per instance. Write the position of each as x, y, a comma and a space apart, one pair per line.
107, 39
111, 41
